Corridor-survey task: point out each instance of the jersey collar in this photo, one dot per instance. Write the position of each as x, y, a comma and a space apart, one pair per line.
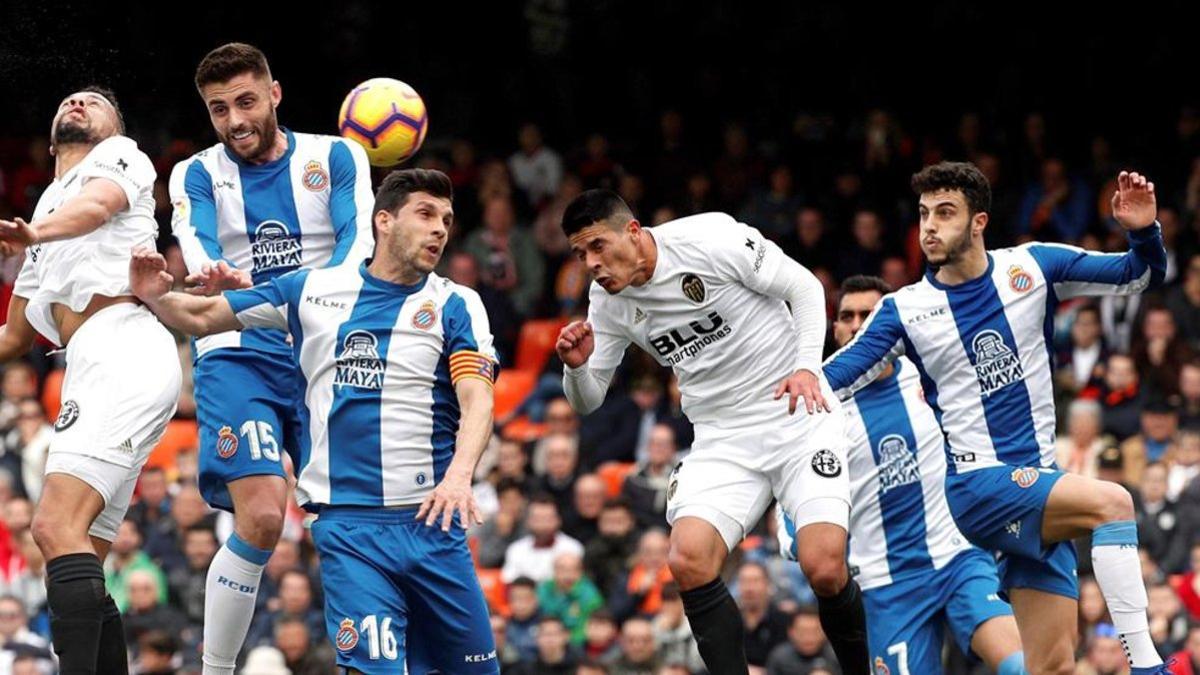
969, 284
287, 155
389, 286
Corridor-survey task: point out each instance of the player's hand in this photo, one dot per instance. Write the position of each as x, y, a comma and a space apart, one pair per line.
575, 343
803, 384
148, 275
1134, 205
452, 494
213, 279
17, 233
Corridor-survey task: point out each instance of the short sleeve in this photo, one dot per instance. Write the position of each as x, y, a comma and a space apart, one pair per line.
118, 159
468, 338
741, 253
608, 335
267, 304
27, 281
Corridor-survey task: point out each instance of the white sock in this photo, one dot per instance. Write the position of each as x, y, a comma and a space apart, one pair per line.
230, 594
1119, 574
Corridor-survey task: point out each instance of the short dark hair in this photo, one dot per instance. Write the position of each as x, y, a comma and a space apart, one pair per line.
618, 503
523, 582
228, 61
112, 99
962, 176
861, 283
393, 192
159, 641
591, 207
542, 498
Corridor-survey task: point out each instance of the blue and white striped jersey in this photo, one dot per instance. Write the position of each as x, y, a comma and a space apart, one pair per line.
984, 347
310, 208
378, 362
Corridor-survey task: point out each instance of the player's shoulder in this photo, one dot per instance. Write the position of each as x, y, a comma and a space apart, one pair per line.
120, 148
445, 291
205, 159
323, 143
701, 229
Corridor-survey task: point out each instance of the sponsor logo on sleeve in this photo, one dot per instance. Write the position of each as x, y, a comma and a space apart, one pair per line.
66, 416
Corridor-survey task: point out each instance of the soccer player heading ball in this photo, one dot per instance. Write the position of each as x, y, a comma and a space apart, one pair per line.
978, 328
742, 325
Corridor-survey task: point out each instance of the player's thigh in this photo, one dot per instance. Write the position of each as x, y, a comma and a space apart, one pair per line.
366, 615
449, 628
806, 463
980, 620
1001, 508
719, 484
243, 419
904, 630
1048, 624
1078, 504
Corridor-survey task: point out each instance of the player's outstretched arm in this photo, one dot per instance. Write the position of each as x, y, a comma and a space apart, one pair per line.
583, 386
151, 283
874, 347
454, 493
214, 279
97, 202
16, 336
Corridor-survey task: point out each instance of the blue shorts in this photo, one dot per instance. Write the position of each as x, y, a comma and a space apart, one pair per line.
396, 590
246, 411
1000, 509
907, 618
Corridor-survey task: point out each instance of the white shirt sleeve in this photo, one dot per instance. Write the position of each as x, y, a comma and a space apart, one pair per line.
27, 282
743, 253
118, 159
586, 386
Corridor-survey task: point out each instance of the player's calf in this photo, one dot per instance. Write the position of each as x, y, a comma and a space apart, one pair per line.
821, 549
697, 554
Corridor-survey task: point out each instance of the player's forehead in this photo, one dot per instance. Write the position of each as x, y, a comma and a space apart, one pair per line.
89, 96
948, 197
235, 87
584, 237
423, 200
858, 301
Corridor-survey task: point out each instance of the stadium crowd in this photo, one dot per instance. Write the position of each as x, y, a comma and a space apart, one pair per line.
573, 552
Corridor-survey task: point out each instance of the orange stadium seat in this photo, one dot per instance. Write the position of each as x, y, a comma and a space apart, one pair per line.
494, 590
613, 474
180, 435
523, 430
52, 393
536, 343
511, 388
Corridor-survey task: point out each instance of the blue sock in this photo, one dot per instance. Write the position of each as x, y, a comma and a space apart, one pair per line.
1013, 664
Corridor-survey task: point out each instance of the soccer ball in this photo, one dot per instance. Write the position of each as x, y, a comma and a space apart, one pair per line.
385, 116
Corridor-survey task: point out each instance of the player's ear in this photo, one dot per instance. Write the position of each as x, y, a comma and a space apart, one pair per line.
276, 93
979, 222
383, 221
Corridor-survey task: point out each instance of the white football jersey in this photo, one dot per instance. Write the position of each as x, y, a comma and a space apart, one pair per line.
703, 313
69, 272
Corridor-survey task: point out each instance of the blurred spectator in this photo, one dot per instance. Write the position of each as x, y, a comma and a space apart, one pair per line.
153, 502
1092, 610
619, 430
1081, 362
736, 169
673, 634
158, 654
506, 653
596, 168
1160, 352
809, 244
25, 447
265, 661
512, 464
147, 612
295, 603
894, 270
766, 626
524, 617
1160, 530
28, 581
773, 208
646, 488
805, 648
508, 258
556, 458
1122, 397
1189, 394
1080, 449
591, 667
639, 655
533, 555
127, 557
505, 526
1184, 463
18, 382
600, 637
31, 178
1105, 655
187, 584
463, 268
607, 556
865, 253
641, 592
1187, 660
164, 538
304, 656
1184, 303
581, 520
554, 655
1058, 207
16, 638
1168, 623
536, 169
569, 595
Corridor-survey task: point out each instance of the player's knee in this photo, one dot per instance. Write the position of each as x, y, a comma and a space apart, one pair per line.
692, 566
1058, 661
1118, 504
260, 526
51, 531
827, 574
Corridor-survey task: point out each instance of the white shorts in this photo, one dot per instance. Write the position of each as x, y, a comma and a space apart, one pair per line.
731, 474
119, 391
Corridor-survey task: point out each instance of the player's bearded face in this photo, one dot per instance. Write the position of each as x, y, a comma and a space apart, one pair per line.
419, 231
82, 118
946, 227
610, 255
242, 111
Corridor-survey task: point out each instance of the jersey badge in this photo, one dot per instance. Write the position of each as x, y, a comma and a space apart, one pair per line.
881, 668
426, 316
827, 464
66, 416
227, 442
693, 288
1020, 280
347, 637
315, 177
1025, 476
